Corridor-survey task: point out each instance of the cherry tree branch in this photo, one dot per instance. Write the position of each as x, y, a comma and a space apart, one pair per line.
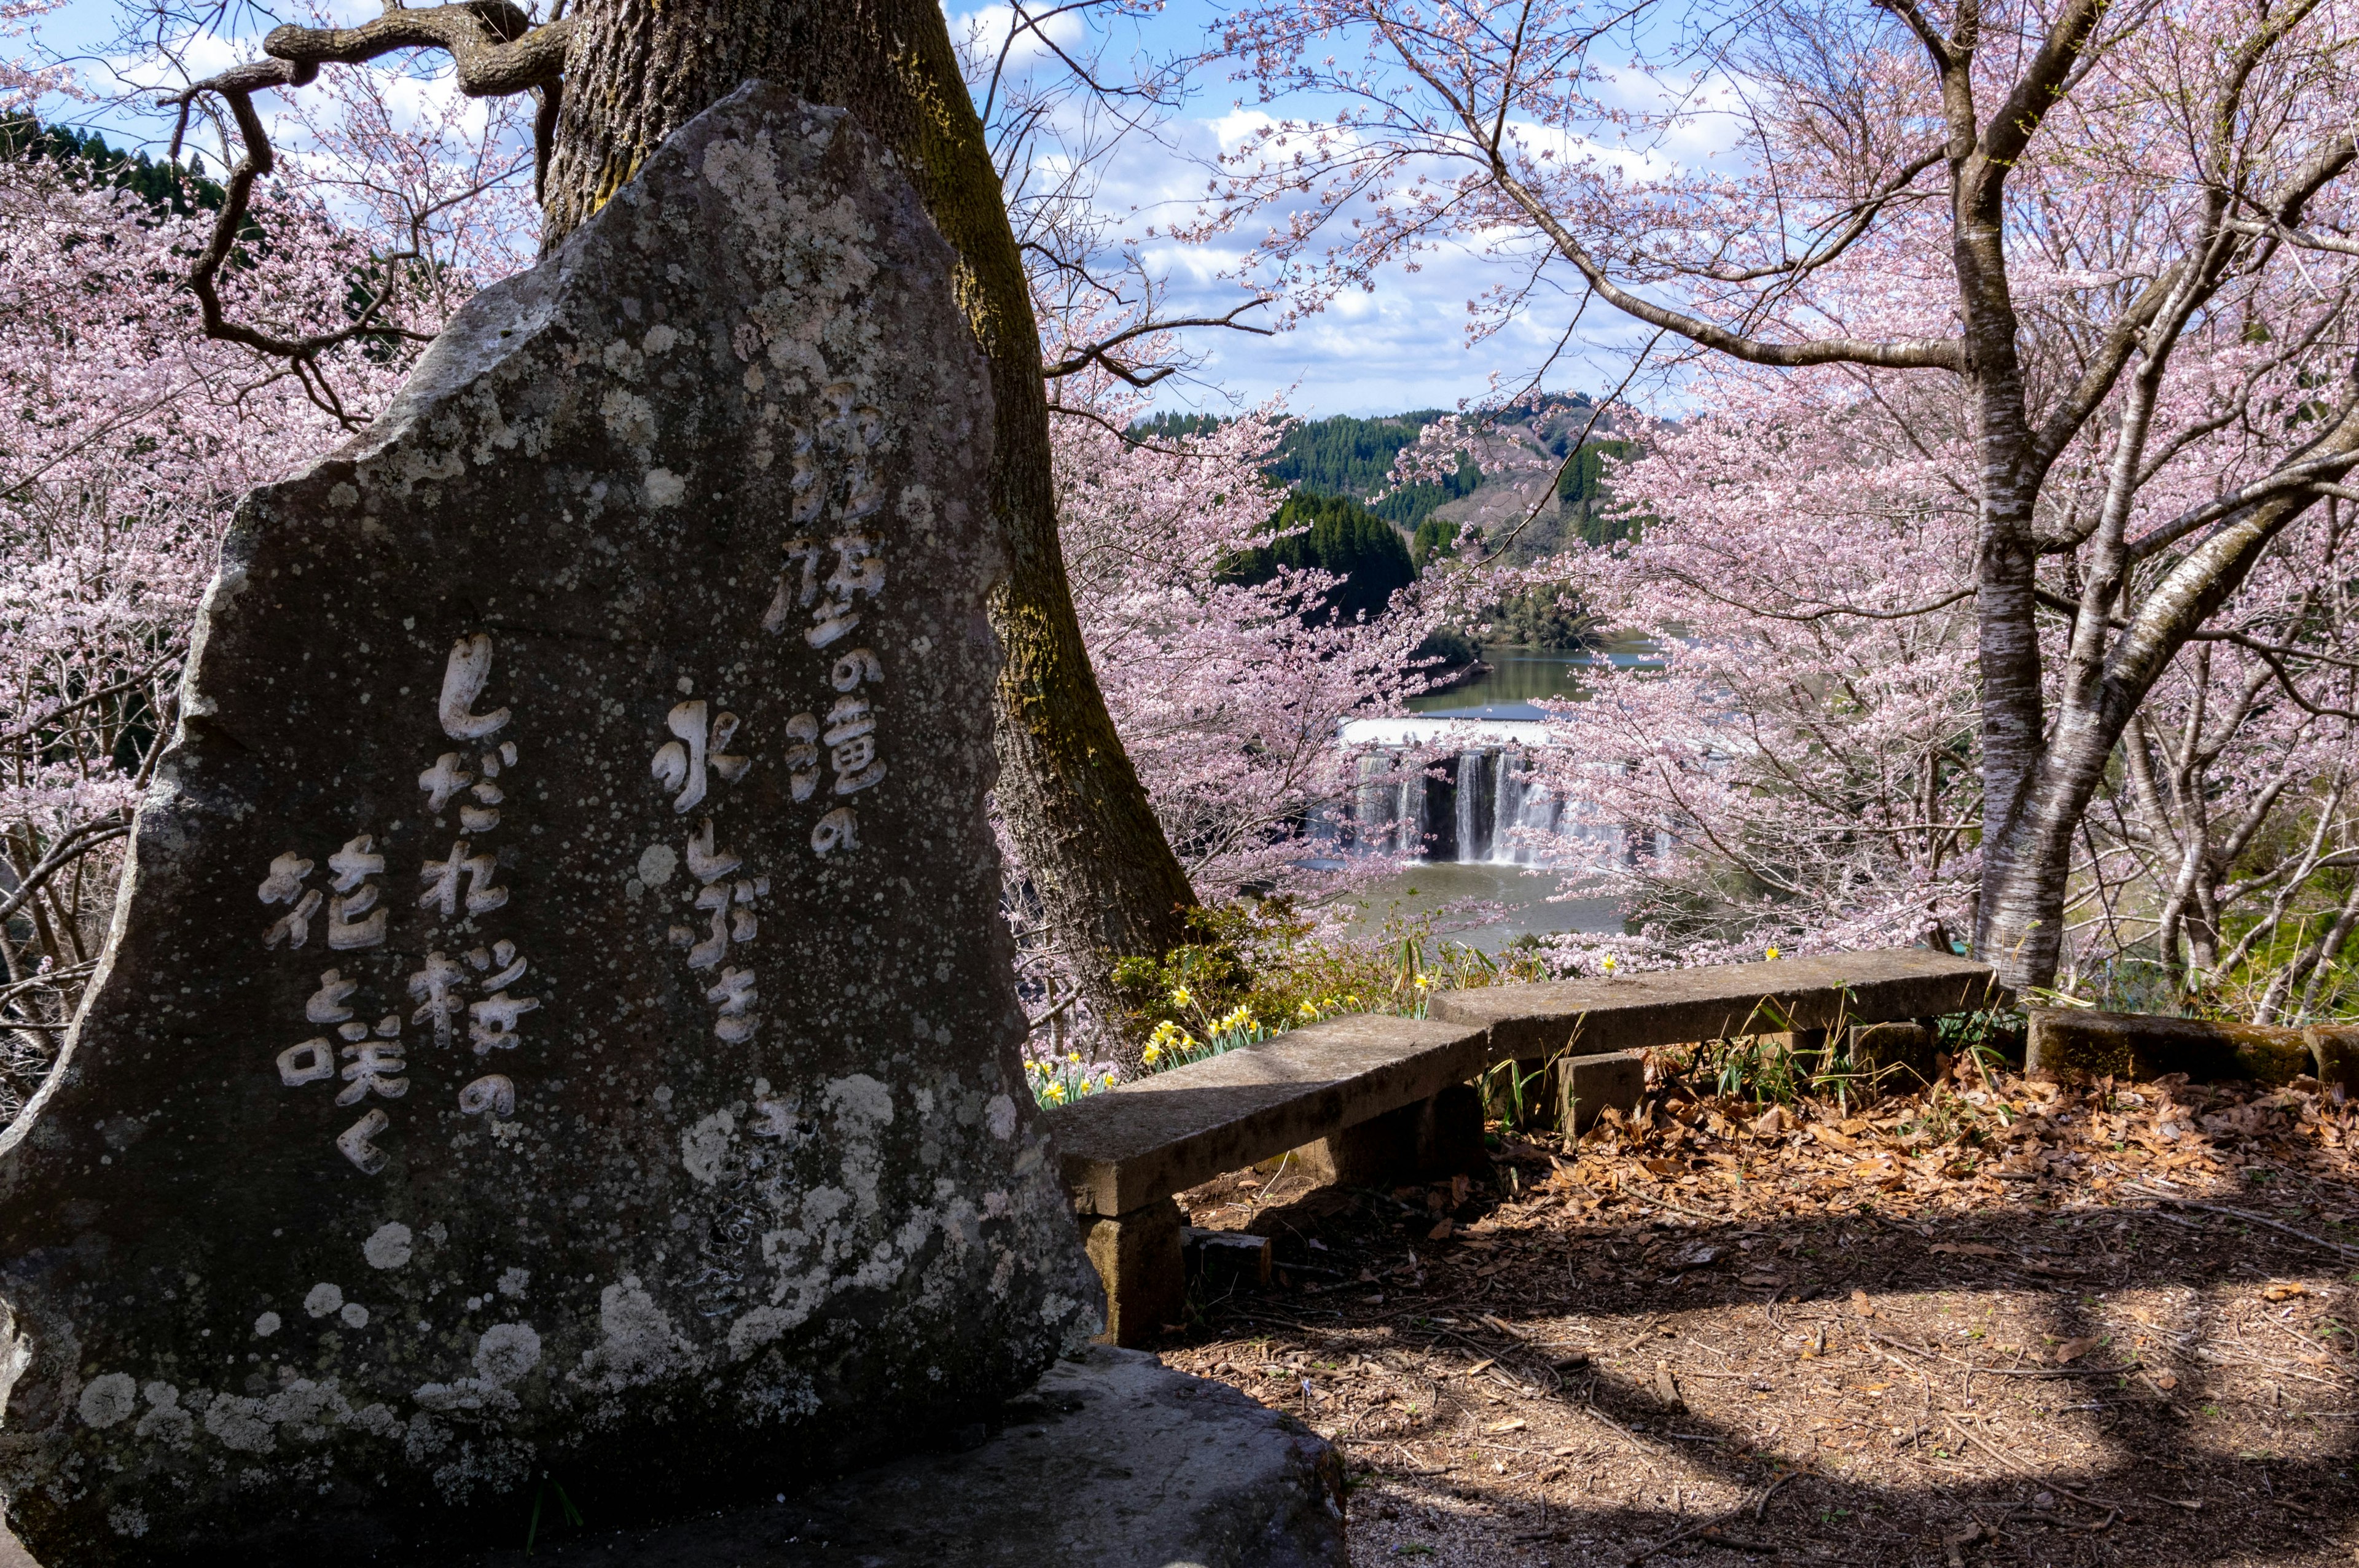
1919, 353
496, 53
1101, 353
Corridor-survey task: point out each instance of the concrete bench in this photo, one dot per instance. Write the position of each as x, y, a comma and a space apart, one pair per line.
1372, 1097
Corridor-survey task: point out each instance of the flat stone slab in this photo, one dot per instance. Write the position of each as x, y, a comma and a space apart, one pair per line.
1672, 1006
1114, 1461
2078, 1043
1165, 1132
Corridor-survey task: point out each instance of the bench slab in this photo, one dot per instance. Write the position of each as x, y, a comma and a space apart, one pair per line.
1673, 1007
1170, 1130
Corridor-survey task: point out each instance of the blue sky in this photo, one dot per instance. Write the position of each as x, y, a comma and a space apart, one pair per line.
1402, 345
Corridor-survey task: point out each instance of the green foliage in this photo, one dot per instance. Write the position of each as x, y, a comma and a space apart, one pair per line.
1344, 455
181, 189
1263, 959
1541, 619
1588, 500
1433, 534
1343, 537
1454, 648
1174, 427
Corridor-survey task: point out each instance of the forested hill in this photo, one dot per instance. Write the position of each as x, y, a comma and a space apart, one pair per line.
1336, 465
1347, 456
1341, 537
182, 188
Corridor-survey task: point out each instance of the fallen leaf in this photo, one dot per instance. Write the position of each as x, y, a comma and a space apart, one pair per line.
2073, 1349
2166, 1381
1440, 1232
1861, 1305
1769, 1122
2284, 1291
1506, 1427
1966, 1250
1833, 1139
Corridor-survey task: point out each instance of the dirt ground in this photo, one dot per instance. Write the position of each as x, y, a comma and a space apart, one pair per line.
1996, 1322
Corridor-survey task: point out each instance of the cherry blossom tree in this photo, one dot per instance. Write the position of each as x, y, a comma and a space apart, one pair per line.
1228, 696
131, 432
1805, 770
128, 437
2121, 237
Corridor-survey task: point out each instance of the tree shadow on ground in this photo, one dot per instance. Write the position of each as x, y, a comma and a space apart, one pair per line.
1633, 1398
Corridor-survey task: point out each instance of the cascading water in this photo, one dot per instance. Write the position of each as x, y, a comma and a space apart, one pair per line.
1482, 804
1469, 844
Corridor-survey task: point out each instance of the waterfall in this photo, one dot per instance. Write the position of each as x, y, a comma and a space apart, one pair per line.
1372, 804
1469, 844
1470, 814
1410, 835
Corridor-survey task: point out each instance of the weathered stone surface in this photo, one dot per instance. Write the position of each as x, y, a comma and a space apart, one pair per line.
1114, 1461
1142, 1268
556, 1023
2334, 1055
1589, 1084
1672, 1006
2082, 1043
1441, 1136
1222, 1260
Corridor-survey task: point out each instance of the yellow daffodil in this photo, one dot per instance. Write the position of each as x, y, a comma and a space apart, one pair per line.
1152, 1054
1607, 964
1773, 952
1073, 1056
1309, 1009
1108, 1081
1179, 997
1424, 982
1055, 1094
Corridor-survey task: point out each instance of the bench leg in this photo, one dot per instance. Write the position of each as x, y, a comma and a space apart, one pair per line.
1137, 1257
1438, 1137
1587, 1084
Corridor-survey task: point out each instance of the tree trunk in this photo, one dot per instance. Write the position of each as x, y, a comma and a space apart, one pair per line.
637, 71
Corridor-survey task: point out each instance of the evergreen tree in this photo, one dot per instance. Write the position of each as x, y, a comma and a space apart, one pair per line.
1343, 537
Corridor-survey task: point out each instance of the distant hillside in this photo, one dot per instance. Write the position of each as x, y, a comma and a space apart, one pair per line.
1343, 537
183, 189
1335, 464
1346, 456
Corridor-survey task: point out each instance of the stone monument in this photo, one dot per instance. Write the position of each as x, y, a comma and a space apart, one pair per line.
556, 1029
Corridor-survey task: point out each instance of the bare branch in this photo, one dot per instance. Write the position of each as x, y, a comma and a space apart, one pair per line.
493, 45
497, 52
1101, 353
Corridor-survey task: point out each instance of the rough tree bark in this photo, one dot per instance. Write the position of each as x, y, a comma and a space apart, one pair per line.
635, 71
